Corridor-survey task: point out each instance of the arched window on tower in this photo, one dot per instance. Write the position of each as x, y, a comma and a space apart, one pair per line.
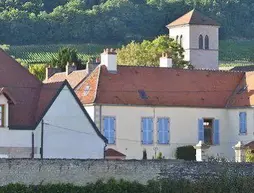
200, 42
206, 42
177, 39
181, 40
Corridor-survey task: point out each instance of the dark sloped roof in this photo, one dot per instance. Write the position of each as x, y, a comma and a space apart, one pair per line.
113, 153
193, 17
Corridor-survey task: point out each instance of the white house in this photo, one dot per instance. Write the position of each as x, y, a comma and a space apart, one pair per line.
162, 108
43, 120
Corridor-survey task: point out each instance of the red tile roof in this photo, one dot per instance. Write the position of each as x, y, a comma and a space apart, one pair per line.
163, 87
193, 17
26, 92
113, 153
74, 78
250, 145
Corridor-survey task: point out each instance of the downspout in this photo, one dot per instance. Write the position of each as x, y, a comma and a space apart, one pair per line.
42, 137
104, 155
32, 154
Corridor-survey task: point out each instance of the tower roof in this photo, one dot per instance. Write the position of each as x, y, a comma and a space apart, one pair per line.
193, 17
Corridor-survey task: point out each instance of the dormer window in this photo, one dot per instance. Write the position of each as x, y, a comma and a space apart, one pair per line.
2, 117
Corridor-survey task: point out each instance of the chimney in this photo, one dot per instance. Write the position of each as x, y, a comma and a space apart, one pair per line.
108, 58
89, 66
50, 71
166, 61
70, 68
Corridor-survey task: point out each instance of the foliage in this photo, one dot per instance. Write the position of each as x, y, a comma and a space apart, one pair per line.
5, 47
207, 185
159, 156
64, 56
104, 21
144, 154
148, 52
38, 70
249, 155
186, 153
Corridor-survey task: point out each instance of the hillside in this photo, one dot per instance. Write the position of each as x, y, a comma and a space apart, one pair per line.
25, 22
232, 53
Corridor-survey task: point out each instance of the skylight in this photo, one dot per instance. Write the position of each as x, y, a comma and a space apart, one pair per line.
241, 90
142, 94
87, 89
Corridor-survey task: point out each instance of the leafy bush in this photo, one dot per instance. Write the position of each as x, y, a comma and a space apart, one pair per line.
249, 155
207, 185
186, 153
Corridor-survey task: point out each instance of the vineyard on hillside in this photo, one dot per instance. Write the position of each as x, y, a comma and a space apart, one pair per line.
35, 54
232, 53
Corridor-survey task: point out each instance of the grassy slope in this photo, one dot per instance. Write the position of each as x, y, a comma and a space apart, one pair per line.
232, 53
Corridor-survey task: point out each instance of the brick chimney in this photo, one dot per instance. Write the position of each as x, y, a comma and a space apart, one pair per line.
50, 71
108, 58
70, 68
166, 61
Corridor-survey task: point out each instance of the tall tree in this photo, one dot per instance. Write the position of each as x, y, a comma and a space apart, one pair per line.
65, 55
148, 53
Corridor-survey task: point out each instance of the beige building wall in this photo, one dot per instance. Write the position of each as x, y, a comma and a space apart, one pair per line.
183, 129
199, 58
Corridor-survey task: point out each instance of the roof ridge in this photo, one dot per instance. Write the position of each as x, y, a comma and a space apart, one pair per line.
97, 83
183, 69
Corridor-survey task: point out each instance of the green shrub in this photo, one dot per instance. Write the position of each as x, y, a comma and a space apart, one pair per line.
186, 153
249, 155
233, 184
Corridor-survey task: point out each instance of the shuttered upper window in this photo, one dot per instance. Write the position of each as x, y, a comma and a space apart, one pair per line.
242, 123
163, 130
109, 129
147, 130
2, 121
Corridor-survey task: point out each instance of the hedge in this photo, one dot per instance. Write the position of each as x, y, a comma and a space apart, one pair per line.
186, 153
223, 185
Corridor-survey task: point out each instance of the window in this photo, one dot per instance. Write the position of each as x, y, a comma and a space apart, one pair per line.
206, 42
1, 115
147, 130
142, 94
200, 42
208, 131
163, 130
181, 40
242, 123
87, 89
109, 125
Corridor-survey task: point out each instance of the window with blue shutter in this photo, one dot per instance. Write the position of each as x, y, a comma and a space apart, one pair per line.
216, 132
147, 130
200, 130
163, 130
109, 124
242, 123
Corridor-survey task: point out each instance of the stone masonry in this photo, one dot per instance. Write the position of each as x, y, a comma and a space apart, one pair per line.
80, 172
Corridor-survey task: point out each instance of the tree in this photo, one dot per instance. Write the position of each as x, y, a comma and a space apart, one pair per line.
249, 155
38, 70
148, 53
65, 55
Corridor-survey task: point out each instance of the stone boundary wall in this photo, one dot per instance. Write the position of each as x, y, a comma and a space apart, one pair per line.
80, 172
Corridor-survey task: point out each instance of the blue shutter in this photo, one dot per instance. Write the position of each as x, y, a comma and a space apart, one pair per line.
163, 130
109, 129
112, 130
216, 132
242, 122
144, 131
147, 130
200, 130
150, 130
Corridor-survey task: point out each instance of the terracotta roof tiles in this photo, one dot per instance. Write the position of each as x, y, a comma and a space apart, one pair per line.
193, 17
